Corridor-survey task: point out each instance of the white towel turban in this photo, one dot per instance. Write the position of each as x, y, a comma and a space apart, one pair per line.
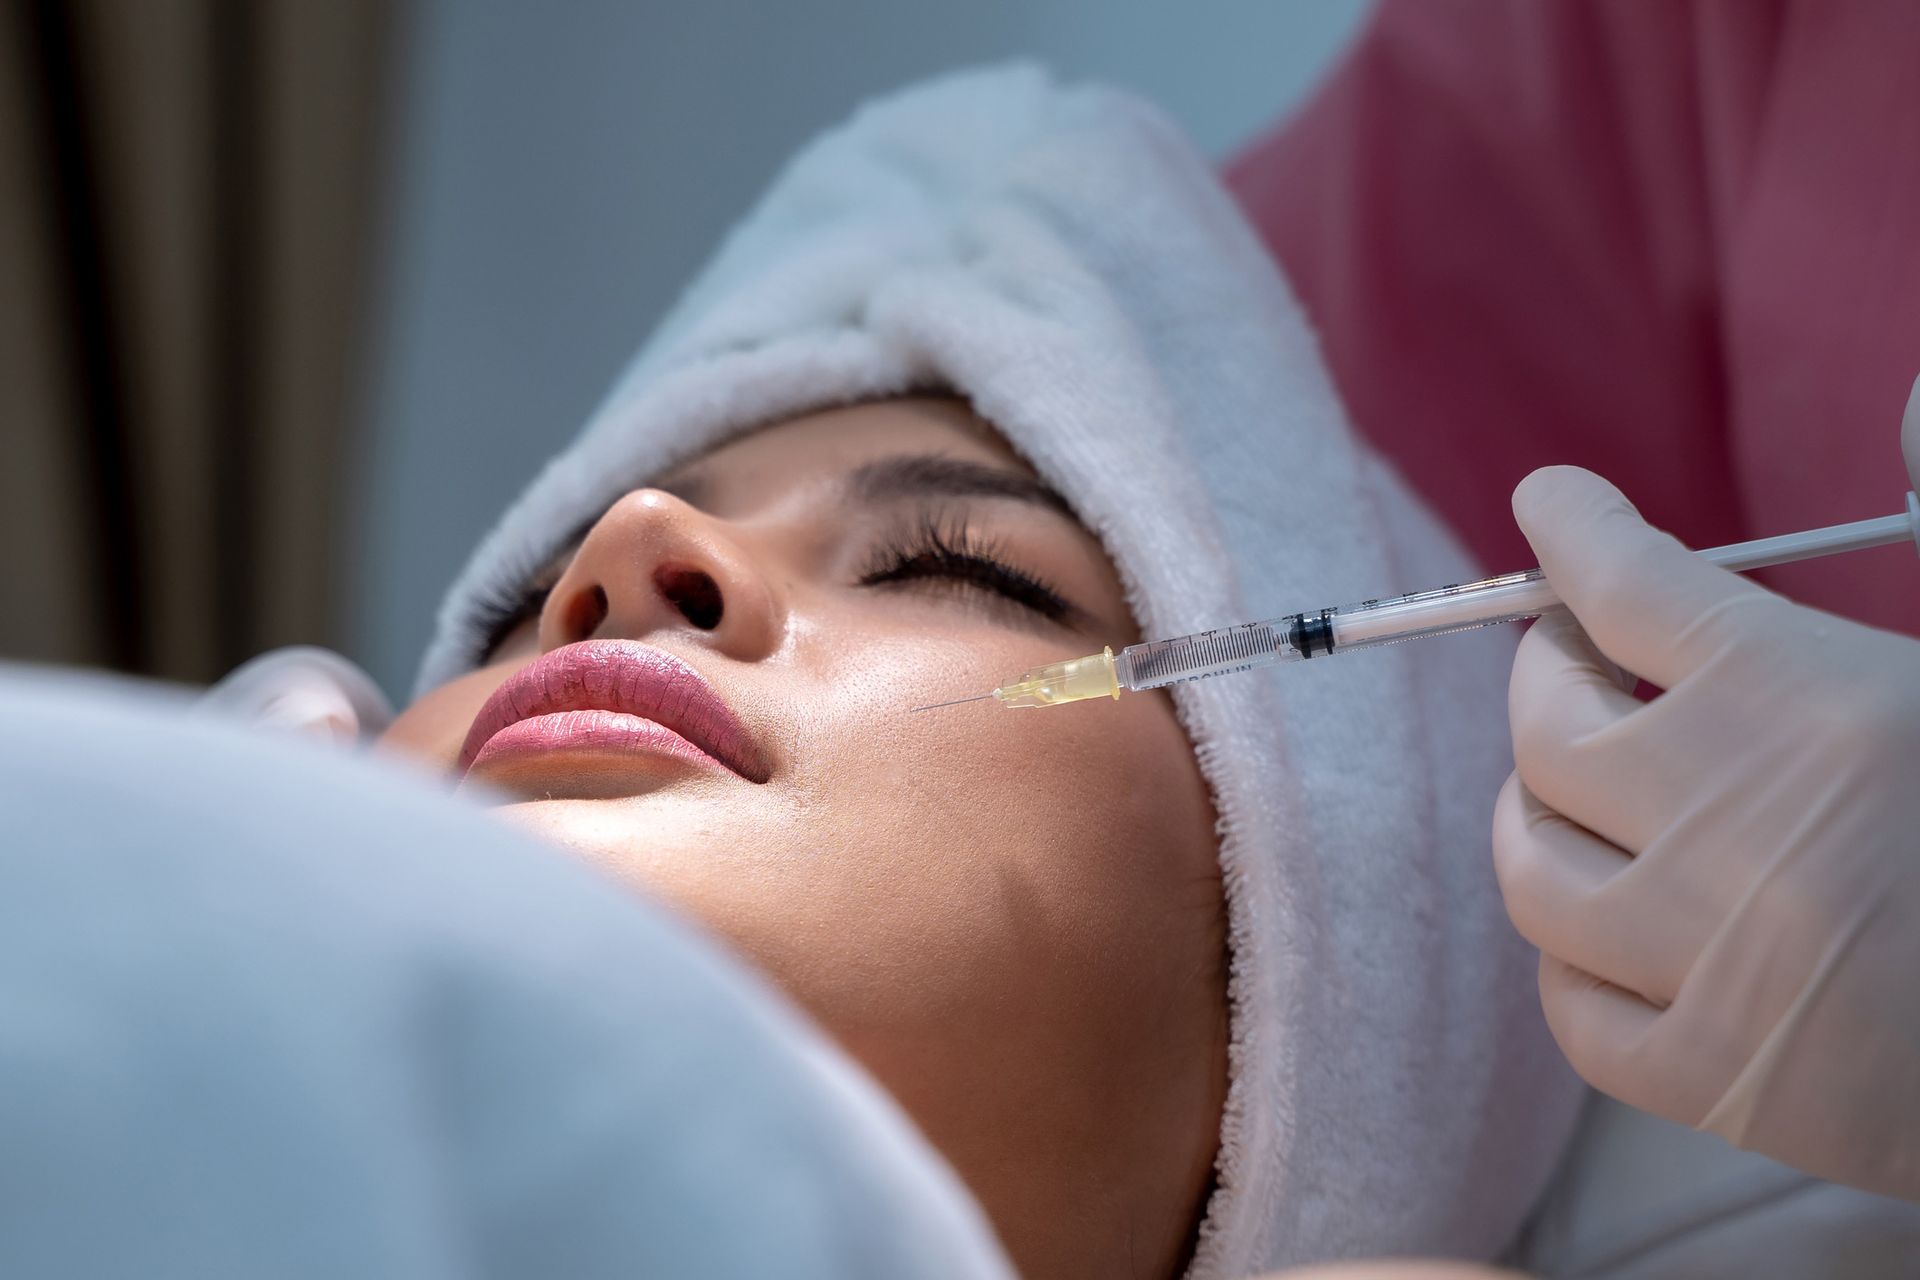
1063, 258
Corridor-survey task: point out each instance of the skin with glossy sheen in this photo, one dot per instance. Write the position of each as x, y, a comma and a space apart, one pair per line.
1012, 918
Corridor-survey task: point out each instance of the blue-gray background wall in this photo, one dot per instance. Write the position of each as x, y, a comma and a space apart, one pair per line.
561, 169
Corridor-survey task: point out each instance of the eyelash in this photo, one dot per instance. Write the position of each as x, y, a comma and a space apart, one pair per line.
499, 615
950, 553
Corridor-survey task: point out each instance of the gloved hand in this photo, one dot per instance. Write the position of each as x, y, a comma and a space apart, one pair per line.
303, 690
1724, 882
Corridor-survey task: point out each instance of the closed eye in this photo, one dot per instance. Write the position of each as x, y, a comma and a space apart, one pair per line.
951, 553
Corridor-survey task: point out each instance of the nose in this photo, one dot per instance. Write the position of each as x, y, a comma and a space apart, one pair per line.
653, 564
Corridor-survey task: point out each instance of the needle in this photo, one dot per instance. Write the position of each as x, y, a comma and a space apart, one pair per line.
935, 706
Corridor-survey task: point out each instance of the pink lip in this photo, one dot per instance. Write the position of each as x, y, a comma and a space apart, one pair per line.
611, 696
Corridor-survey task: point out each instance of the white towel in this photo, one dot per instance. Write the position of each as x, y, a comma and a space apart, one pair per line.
268, 1010
1063, 258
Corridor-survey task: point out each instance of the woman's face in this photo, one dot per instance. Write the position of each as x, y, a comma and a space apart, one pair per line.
1012, 918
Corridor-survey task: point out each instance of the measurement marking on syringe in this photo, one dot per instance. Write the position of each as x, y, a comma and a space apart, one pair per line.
1209, 649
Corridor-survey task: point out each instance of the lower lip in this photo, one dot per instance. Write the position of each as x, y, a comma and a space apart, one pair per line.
596, 732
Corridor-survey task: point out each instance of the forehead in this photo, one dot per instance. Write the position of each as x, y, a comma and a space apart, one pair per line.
819, 448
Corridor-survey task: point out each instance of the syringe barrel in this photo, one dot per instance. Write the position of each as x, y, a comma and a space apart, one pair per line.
1205, 653
1464, 607
1364, 624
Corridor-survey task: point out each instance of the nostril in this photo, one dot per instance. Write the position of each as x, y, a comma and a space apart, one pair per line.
585, 612
694, 593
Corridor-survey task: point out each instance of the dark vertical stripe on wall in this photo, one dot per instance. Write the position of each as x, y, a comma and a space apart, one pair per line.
95, 366
233, 347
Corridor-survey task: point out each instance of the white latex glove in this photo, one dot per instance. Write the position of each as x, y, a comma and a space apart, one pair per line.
304, 690
1724, 882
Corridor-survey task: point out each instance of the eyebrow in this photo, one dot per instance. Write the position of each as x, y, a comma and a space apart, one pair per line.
936, 475
691, 487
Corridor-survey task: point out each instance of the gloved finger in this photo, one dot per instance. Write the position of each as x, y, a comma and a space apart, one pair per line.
1579, 899
1910, 436
1649, 603
1573, 745
1611, 1038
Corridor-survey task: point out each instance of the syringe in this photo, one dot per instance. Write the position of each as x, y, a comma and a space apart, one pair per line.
1368, 624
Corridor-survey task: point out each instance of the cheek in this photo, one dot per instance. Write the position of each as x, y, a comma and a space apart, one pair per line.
1021, 908
1044, 834
1085, 774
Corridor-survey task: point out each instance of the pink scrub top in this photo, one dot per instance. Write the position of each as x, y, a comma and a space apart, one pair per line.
1675, 242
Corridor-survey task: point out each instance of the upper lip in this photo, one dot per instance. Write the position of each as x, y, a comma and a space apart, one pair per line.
626, 676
